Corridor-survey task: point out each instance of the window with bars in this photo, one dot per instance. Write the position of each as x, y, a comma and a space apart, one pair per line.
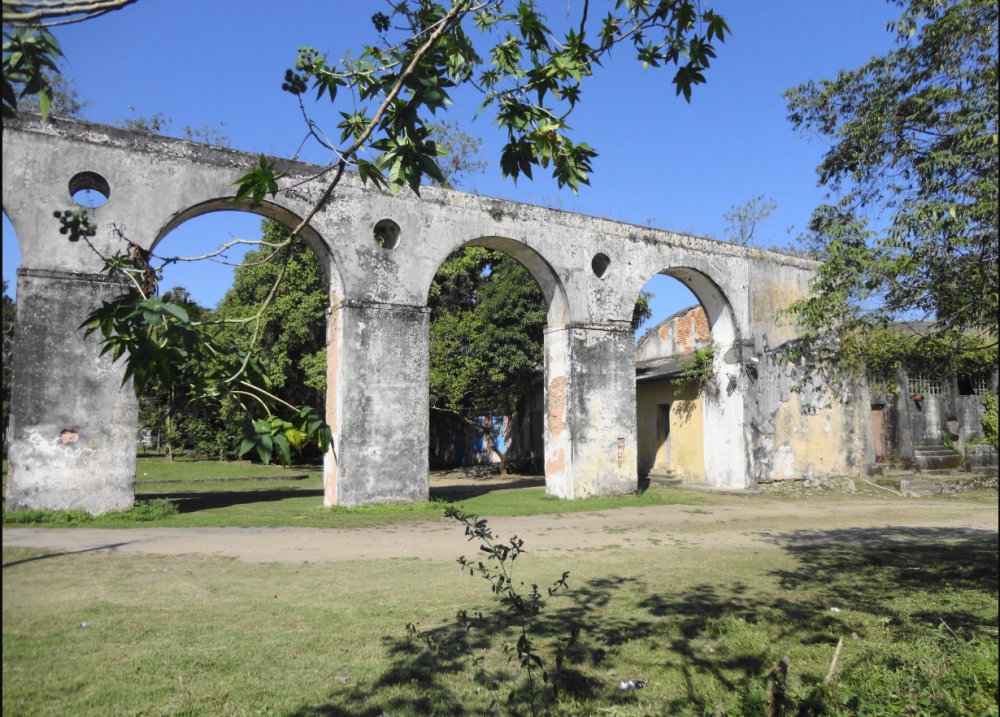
923, 385
980, 384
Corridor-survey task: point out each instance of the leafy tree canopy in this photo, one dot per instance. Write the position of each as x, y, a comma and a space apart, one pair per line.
913, 165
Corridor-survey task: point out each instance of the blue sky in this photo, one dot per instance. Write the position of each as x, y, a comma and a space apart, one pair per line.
661, 161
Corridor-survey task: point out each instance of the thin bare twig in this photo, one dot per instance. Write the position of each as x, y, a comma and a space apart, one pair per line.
60, 12
833, 662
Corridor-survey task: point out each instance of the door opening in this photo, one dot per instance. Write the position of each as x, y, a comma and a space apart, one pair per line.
662, 435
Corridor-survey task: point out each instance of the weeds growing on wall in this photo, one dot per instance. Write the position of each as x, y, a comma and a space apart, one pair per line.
699, 368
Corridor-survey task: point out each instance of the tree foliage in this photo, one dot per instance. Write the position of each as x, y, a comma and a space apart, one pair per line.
913, 160
461, 153
65, 98
291, 337
29, 62
532, 80
742, 220
187, 349
486, 341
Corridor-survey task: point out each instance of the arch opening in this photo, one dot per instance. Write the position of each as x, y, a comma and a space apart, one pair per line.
11, 255
689, 413
293, 336
489, 315
539, 269
11, 262
268, 210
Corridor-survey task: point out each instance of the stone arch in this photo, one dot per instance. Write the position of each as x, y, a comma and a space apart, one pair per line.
535, 264
319, 247
724, 450
268, 210
532, 431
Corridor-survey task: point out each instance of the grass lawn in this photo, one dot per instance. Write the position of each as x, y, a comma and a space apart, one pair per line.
300, 502
151, 470
213, 636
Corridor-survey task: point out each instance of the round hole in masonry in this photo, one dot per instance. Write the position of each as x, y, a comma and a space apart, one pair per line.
89, 189
601, 264
386, 234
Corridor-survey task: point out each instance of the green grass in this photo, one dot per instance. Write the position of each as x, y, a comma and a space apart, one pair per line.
274, 507
210, 636
300, 502
152, 469
145, 511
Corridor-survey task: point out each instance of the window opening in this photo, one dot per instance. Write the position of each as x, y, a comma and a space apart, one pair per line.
919, 384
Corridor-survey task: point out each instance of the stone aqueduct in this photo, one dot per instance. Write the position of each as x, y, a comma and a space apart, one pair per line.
73, 438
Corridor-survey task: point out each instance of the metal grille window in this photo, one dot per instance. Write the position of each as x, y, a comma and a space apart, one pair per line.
924, 385
980, 384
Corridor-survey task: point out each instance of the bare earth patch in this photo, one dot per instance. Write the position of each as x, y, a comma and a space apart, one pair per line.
723, 523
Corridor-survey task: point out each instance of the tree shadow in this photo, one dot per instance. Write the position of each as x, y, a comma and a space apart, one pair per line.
582, 631
463, 492
61, 553
194, 502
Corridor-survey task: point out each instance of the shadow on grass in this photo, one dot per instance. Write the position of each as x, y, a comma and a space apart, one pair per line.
583, 632
450, 493
194, 502
190, 502
61, 553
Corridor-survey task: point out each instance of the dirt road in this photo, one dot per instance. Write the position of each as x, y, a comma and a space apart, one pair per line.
736, 523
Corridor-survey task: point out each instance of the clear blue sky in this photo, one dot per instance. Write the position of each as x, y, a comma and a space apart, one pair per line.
661, 161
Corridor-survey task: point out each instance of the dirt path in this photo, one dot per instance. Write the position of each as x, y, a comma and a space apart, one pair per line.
736, 524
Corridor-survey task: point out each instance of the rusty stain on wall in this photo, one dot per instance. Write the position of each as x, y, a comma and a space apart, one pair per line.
557, 405
555, 464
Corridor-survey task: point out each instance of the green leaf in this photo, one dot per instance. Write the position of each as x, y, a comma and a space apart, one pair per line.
282, 449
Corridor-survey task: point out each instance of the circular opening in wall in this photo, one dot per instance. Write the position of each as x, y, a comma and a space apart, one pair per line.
89, 189
386, 234
601, 264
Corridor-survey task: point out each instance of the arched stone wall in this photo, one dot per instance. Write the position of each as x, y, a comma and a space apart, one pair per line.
590, 269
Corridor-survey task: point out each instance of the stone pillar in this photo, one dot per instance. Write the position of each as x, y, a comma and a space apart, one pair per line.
904, 422
723, 417
73, 423
377, 404
590, 432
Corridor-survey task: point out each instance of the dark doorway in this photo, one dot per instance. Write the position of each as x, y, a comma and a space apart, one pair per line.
663, 435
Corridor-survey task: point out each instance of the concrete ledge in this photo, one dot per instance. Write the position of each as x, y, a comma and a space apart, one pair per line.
932, 485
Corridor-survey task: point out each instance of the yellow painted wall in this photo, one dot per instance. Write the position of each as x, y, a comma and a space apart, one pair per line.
686, 443
817, 444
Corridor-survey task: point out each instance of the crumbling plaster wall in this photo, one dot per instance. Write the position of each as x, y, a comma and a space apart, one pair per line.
380, 293
678, 334
798, 425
